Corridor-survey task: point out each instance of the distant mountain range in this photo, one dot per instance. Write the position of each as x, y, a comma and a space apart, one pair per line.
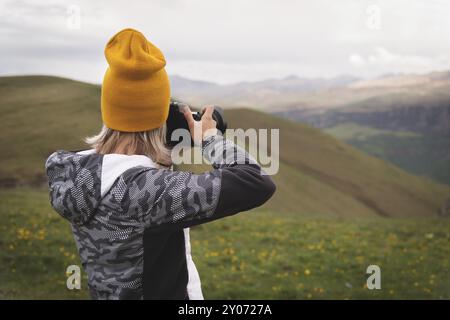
404, 118
261, 94
294, 93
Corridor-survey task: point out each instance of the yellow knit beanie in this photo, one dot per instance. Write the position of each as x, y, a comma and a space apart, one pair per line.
136, 88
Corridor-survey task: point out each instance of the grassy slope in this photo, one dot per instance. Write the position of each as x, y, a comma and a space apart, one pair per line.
250, 256
421, 154
40, 114
374, 184
318, 174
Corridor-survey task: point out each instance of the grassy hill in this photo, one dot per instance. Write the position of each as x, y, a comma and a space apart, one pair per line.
313, 240
420, 153
318, 173
40, 114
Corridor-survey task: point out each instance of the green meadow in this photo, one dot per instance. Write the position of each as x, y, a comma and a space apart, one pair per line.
336, 211
254, 255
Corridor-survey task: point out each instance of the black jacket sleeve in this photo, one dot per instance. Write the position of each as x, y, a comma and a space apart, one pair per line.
236, 183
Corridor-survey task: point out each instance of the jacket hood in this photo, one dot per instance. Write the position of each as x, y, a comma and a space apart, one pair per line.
78, 180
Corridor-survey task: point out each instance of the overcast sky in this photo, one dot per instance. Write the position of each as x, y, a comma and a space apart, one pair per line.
230, 41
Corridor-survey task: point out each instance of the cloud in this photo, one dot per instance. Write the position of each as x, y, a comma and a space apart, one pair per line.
356, 60
229, 41
382, 59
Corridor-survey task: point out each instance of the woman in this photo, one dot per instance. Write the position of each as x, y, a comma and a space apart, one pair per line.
130, 214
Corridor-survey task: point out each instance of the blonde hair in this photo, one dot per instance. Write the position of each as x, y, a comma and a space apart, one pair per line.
151, 143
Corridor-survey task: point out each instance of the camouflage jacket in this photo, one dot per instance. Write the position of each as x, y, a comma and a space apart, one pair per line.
130, 219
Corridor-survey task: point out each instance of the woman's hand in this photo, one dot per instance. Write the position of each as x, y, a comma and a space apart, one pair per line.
201, 129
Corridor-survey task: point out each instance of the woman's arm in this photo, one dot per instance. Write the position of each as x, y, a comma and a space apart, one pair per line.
181, 199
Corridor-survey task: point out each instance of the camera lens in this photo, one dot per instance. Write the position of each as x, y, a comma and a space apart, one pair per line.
176, 120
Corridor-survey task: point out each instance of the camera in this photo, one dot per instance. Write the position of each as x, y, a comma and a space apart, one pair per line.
176, 120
